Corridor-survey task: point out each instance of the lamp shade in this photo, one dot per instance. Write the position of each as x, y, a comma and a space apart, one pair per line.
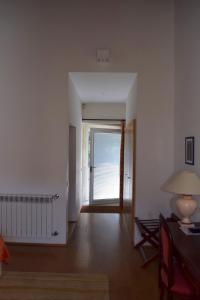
184, 183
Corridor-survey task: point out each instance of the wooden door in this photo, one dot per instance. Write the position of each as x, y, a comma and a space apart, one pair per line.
130, 175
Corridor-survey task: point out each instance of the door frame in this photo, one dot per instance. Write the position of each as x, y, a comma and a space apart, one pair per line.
92, 167
72, 172
129, 210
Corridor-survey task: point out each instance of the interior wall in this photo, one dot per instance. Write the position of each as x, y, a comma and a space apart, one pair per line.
75, 119
187, 105
33, 114
40, 43
131, 102
115, 111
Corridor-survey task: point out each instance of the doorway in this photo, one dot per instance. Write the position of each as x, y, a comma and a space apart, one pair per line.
104, 186
102, 166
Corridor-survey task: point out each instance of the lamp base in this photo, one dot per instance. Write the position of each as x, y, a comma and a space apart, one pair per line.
186, 206
186, 225
186, 221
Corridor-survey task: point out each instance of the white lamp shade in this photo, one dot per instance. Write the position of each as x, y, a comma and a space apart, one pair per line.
184, 183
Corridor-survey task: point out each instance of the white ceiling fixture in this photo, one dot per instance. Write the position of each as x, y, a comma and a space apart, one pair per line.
105, 87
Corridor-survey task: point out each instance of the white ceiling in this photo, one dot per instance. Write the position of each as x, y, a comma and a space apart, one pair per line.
103, 87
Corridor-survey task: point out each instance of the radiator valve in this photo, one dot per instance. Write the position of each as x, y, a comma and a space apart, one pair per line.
55, 233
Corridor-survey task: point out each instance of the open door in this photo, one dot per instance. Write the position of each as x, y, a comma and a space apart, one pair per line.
130, 175
104, 166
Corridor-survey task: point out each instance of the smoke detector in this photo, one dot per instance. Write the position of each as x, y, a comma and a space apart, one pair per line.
103, 55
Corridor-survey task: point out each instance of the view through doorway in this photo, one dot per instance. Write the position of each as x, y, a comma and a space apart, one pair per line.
104, 164
101, 159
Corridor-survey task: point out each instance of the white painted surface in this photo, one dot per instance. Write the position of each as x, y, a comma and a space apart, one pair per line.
103, 87
187, 106
75, 119
40, 44
113, 111
131, 102
33, 108
25, 220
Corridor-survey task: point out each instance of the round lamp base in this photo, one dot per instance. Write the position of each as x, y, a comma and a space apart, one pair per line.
186, 207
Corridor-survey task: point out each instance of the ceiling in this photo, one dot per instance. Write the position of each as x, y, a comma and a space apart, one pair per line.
103, 87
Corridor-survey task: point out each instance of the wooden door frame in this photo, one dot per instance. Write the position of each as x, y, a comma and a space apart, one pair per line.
121, 192
131, 127
134, 177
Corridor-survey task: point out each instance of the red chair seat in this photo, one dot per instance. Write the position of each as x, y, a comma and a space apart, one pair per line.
182, 285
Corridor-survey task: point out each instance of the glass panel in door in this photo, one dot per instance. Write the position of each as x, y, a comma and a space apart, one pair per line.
105, 166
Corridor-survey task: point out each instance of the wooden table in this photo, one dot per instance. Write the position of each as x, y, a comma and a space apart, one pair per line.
188, 249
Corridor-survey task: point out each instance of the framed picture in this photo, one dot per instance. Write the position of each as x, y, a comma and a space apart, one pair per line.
189, 150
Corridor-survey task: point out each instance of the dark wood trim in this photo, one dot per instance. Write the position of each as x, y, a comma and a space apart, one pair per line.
103, 120
134, 173
187, 249
129, 209
100, 209
121, 191
35, 244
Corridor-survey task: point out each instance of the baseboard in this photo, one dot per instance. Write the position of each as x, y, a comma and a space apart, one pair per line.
35, 244
100, 209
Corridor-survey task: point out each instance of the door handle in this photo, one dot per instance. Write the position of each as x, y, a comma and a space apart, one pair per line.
91, 167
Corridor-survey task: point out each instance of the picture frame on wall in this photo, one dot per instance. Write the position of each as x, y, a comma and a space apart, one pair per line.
189, 150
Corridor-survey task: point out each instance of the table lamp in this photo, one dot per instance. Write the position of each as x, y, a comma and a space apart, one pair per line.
185, 183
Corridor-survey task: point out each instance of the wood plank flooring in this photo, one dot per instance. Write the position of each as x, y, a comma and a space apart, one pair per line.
53, 286
99, 244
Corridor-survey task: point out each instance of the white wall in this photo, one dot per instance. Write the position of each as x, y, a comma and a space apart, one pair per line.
187, 107
33, 109
75, 119
115, 111
40, 43
131, 102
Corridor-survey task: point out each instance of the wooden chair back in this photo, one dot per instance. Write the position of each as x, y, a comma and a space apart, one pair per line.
166, 270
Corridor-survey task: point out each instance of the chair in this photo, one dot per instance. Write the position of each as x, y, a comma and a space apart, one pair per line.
171, 275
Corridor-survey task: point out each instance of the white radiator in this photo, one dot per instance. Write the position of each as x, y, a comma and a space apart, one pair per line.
27, 216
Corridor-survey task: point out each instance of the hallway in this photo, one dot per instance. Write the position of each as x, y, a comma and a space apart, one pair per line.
99, 244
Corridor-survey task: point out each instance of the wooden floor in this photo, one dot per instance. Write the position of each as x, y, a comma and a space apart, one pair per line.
99, 243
